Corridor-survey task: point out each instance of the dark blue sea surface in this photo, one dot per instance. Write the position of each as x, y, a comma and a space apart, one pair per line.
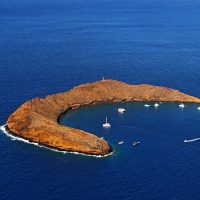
49, 46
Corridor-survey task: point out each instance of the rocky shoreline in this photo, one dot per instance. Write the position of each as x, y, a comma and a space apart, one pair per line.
37, 120
12, 135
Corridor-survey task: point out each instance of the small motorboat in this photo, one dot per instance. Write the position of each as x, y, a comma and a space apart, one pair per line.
156, 105
191, 140
147, 105
106, 125
182, 105
121, 110
136, 143
121, 142
198, 108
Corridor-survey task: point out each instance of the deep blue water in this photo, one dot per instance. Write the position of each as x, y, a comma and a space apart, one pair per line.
51, 46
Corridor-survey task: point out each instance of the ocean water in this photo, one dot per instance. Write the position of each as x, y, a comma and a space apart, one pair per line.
51, 46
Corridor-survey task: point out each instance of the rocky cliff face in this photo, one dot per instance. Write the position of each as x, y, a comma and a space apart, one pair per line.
37, 119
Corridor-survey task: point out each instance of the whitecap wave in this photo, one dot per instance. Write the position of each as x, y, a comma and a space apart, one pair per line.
12, 137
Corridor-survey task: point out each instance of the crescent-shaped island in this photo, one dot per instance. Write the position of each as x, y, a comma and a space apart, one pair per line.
37, 120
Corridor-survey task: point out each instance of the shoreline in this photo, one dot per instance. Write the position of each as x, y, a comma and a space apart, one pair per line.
6, 131
38, 120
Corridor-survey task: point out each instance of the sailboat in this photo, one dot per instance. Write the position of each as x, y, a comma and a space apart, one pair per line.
182, 105
106, 125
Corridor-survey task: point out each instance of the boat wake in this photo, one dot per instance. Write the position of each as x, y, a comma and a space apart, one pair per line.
12, 137
191, 140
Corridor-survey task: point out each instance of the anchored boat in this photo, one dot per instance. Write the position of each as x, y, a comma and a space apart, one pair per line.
106, 125
147, 105
136, 143
156, 105
121, 110
182, 105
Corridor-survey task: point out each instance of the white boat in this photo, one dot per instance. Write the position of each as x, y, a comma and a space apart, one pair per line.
198, 108
182, 105
121, 110
120, 142
191, 140
106, 125
156, 105
147, 105
136, 143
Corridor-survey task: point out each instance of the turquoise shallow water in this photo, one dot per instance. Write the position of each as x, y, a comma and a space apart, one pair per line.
51, 46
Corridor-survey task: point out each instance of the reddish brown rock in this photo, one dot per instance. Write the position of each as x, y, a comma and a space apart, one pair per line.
37, 119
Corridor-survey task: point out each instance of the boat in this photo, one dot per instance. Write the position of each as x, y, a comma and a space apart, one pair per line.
106, 125
120, 142
191, 140
182, 105
198, 108
136, 143
156, 105
147, 105
121, 110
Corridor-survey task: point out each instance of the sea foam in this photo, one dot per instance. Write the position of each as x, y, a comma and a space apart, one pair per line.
12, 137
